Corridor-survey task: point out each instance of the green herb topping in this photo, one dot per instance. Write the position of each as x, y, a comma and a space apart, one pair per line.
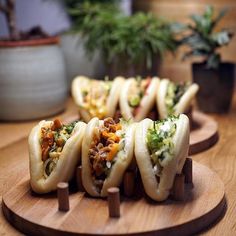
159, 142
173, 95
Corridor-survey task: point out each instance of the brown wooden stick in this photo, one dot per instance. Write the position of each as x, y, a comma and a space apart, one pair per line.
178, 188
63, 196
133, 165
114, 202
11, 19
129, 183
79, 179
188, 171
189, 114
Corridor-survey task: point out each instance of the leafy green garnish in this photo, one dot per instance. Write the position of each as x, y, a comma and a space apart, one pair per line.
173, 95
159, 140
84, 93
69, 128
134, 101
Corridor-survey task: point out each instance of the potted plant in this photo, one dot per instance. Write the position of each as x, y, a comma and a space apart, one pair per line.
76, 59
32, 73
215, 78
130, 45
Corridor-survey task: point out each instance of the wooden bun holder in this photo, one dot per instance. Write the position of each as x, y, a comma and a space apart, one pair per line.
92, 216
178, 189
79, 179
177, 192
113, 202
63, 196
189, 114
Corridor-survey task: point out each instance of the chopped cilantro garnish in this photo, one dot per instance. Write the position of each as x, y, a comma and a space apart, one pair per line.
134, 101
159, 140
69, 128
173, 95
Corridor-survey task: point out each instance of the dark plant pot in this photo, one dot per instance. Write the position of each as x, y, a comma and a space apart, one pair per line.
122, 67
216, 87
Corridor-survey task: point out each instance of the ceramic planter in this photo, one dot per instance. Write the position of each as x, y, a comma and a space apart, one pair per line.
32, 79
216, 87
76, 60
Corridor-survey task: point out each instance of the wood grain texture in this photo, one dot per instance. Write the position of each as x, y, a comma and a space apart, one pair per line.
204, 133
221, 158
202, 205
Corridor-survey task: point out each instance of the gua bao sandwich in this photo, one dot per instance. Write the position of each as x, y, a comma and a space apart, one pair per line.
137, 98
174, 99
161, 148
54, 152
96, 98
107, 151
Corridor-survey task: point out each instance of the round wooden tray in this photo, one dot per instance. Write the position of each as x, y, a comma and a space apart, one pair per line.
39, 215
204, 133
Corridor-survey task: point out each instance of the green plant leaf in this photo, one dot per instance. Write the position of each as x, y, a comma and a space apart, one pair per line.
213, 61
202, 40
221, 38
221, 14
208, 14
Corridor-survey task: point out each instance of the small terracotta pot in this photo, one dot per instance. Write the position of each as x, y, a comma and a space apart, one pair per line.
216, 87
32, 79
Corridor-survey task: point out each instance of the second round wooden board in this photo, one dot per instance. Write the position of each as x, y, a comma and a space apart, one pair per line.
204, 133
39, 215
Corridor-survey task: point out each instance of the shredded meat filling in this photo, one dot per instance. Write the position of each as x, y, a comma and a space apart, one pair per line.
103, 150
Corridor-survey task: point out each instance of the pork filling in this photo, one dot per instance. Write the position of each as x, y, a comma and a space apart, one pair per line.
52, 141
107, 145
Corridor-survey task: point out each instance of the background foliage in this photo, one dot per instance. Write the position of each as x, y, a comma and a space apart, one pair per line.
203, 39
137, 37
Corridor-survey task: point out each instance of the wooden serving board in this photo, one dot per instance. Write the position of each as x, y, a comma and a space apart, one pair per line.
204, 133
39, 215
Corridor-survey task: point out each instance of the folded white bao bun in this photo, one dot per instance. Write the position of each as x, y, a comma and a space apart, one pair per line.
160, 191
182, 106
118, 168
112, 100
65, 167
146, 104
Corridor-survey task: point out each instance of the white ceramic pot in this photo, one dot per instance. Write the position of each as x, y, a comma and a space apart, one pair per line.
76, 60
32, 79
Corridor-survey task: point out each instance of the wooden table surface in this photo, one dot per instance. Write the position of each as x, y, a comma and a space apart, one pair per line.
221, 158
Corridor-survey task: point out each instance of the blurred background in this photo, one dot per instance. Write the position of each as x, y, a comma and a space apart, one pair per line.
51, 15
110, 38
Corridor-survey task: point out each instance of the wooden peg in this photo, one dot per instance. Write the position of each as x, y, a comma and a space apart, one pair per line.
189, 114
188, 171
178, 188
79, 179
129, 183
114, 202
133, 165
63, 196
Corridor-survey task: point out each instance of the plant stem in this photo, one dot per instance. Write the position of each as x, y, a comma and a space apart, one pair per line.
11, 18
9, 10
